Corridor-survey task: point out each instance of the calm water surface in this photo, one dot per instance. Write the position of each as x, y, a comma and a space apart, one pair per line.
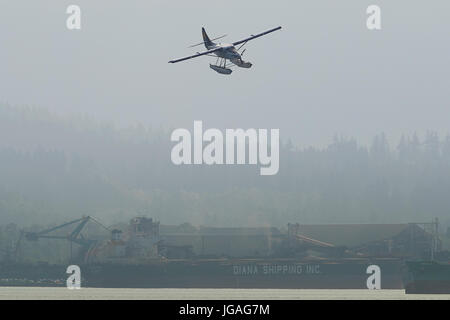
14, 293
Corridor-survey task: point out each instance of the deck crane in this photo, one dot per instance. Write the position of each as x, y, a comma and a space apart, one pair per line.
73, 237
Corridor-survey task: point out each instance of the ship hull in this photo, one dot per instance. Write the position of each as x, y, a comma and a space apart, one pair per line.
427, 277
273, 274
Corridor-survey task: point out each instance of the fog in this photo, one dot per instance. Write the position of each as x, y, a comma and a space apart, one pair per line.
325, 73
86, 115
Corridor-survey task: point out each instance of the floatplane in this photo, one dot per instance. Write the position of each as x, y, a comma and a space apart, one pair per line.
224, 52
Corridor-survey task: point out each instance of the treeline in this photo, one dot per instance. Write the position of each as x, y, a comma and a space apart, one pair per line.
53, 169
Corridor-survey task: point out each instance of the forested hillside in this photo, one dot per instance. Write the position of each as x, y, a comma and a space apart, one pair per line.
53, 169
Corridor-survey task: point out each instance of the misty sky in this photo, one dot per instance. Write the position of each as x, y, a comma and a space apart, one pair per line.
323, 74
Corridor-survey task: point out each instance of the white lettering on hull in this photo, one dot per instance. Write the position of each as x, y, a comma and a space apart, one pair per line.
275, 269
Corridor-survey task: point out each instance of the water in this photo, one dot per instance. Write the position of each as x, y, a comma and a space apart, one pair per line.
24, 293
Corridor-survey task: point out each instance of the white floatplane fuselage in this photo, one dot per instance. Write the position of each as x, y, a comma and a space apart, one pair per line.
228, 52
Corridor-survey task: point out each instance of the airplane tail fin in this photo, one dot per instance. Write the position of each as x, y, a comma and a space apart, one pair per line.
206, 39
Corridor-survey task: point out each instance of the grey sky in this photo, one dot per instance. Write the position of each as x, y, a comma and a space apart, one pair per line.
324, 73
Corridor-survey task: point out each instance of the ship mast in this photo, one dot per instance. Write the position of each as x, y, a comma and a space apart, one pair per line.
435, 238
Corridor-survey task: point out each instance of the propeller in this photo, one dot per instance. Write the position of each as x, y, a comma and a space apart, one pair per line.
242, 54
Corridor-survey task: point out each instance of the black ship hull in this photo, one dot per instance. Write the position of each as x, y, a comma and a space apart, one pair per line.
269, 274
427, 277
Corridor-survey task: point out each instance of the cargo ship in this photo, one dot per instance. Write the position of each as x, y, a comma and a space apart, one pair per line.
141, 257
432, 275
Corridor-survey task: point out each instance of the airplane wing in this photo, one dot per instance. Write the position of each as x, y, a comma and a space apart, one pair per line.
198, 54
256, 36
